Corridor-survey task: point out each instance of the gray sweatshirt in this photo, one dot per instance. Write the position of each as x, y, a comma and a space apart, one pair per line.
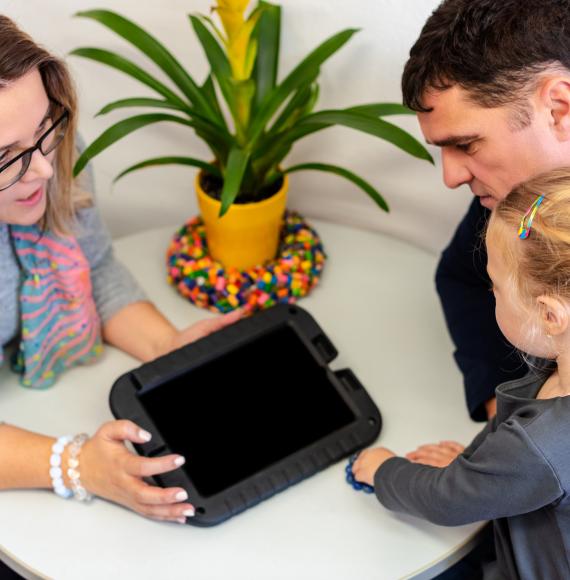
113, 286
515, 472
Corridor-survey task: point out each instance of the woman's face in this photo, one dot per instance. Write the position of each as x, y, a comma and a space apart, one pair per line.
24, 118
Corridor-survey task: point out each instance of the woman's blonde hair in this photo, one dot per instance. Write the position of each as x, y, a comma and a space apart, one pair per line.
19, 55
540, 264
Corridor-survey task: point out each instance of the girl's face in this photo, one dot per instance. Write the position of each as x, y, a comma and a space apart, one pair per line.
518, 322
24, 118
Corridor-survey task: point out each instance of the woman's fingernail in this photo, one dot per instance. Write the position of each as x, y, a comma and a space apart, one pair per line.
179, 461
181, 520
145, 435
181, 496
189, 513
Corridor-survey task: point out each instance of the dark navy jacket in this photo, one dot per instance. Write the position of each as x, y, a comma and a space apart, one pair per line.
484, 356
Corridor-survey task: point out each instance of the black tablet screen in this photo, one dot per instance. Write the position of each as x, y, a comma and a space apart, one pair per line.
246, 410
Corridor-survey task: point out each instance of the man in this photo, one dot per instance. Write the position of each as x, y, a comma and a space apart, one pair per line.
490, 81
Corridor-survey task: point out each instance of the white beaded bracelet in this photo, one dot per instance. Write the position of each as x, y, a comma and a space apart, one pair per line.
55, 471
79, 492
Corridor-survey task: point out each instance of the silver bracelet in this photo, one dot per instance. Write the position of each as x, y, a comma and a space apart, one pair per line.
79, 492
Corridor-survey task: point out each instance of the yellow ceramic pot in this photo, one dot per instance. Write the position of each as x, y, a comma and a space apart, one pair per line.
248, 234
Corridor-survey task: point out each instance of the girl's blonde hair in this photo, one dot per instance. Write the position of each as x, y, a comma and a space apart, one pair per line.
19, 55
540, 264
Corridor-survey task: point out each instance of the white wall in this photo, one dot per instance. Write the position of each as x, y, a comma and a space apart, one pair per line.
367, 69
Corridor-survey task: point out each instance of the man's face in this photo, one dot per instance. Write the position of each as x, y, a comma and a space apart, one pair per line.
483, 149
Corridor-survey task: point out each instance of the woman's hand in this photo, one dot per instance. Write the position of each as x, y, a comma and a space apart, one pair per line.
437, 454
142, 331
368, 462
201, 329
110, 470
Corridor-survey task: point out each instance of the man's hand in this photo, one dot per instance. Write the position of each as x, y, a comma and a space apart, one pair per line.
437, 454
491, 407
368, 462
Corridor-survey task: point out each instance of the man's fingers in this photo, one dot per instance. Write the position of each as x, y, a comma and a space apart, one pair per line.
430, 446
433, 455
453, 445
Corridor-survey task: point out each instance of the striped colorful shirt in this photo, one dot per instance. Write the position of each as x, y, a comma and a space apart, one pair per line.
112, 286
60, 326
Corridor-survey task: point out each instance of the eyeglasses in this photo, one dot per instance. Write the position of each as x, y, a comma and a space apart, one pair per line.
16, 168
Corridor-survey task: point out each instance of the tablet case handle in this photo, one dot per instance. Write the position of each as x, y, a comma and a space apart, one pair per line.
349, 380
325, 347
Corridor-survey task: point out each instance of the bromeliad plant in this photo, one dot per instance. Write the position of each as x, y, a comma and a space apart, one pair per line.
266, 115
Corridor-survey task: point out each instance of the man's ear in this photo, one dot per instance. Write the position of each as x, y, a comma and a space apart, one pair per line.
555, 96
554, 315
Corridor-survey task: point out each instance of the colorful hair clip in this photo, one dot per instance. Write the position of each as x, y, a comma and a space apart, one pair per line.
526, 222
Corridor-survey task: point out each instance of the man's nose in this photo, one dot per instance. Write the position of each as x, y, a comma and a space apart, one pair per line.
455, 172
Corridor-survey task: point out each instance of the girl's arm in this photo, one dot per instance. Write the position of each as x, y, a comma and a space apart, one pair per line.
497, 479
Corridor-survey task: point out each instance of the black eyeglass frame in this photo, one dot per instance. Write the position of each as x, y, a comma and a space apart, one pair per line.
37, 147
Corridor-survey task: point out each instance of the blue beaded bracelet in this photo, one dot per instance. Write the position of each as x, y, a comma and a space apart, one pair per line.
357, 485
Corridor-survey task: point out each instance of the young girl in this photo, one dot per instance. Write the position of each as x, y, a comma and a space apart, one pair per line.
517, 470
62, 292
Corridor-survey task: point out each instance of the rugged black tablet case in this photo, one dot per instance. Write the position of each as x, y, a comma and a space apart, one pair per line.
212, 509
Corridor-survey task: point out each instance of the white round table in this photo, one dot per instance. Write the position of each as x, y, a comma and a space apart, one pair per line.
377, 303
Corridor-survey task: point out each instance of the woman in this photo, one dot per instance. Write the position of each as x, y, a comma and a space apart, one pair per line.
62, 292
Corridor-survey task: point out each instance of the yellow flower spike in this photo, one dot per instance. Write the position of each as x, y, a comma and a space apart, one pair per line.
235, 5
232, 22
241, 56
241, 52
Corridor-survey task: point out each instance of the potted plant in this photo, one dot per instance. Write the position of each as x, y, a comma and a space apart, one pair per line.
242, 190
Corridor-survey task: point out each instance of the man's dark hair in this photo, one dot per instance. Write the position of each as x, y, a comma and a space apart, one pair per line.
494, 49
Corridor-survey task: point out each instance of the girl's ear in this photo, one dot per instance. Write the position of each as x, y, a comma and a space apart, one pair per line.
554, 315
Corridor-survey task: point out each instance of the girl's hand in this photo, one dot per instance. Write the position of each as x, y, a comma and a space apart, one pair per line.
201, 329
108, 469
368, 462
437, 455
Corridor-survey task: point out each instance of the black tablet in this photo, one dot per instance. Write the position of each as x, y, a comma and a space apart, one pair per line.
254, 408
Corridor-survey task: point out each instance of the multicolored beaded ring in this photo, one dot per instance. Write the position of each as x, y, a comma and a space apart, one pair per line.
357, 485
294, 272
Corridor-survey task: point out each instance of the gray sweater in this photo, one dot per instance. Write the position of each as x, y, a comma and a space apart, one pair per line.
515, 472
113, 286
